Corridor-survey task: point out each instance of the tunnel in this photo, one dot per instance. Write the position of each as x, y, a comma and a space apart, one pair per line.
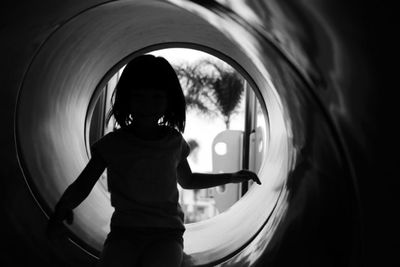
313, 66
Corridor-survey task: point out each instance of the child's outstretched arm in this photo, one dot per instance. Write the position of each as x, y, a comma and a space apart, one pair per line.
189, 180
76, 193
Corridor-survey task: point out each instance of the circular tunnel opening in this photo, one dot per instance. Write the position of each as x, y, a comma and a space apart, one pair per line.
65, 77
204, 235
226, 127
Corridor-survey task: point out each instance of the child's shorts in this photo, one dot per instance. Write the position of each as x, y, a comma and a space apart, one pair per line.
145, 236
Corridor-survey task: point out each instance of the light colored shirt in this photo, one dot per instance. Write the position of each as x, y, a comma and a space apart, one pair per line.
142, 178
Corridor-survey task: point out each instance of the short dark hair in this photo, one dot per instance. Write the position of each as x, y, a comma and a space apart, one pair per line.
155, 72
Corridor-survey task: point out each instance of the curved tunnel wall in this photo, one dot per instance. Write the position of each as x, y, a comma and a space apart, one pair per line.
293, 53
55, 97
63, 112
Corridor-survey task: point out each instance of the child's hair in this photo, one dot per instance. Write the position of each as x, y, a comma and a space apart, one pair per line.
148, 71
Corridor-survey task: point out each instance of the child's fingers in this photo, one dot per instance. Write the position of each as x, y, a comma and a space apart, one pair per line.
257, 180
56, 230
69, 218
250, 176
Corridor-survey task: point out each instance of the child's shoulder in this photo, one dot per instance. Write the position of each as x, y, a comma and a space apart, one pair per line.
107, 138
121, 135
109, 135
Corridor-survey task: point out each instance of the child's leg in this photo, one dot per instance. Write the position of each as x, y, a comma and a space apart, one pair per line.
119, 253
166, 253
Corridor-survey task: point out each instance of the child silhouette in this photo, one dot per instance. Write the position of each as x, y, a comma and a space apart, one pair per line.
145, 157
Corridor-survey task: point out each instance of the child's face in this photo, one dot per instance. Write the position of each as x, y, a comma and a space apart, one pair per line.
148, 103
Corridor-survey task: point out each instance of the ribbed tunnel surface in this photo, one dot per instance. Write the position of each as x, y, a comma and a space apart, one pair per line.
307, 211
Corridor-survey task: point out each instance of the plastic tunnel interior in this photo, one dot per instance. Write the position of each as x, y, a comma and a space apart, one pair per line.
305, 168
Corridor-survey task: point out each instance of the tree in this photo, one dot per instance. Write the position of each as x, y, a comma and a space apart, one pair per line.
196, 86
227, 89
212, 87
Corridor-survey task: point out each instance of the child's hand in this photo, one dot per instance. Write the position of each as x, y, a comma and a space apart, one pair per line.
244, 176
56, 230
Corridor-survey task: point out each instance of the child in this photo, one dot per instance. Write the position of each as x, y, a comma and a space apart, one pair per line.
145, 158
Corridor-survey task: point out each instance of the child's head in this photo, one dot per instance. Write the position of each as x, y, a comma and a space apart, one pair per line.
147, 72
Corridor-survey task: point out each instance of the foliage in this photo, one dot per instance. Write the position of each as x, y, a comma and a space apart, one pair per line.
211, 87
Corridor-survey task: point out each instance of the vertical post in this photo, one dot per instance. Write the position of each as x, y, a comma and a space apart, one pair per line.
249, 127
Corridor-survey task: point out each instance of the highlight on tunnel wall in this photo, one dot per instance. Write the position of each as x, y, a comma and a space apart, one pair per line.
57, 100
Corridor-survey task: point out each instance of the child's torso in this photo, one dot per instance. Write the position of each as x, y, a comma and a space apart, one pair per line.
142, 180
